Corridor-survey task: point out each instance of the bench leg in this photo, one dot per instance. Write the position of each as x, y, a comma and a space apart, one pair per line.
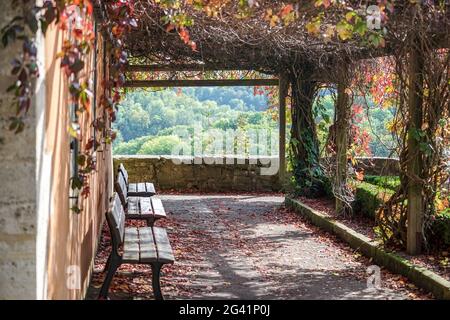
156, 273
150, 222
108, 262
114, 263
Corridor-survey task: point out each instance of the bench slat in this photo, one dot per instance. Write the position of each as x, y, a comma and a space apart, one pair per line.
131, 235
119, 216
133, 206
146, 207
123, 185
165, 254
131, 247
158, 208
142, 245
150, 188
148, 249
124, 172
121, 188
142, 189
132, 188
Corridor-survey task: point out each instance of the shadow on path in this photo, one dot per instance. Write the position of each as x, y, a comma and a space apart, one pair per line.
246, 247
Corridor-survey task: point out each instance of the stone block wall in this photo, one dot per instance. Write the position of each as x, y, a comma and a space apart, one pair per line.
167, 174
17, 187
380, 166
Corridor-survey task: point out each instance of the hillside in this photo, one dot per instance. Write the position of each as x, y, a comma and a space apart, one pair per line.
150, 122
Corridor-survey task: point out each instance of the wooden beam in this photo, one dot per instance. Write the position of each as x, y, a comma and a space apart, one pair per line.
200, 83
342, 127
283, 92
414, 162
181, 68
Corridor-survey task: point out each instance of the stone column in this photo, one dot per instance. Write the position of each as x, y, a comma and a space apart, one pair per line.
17, 187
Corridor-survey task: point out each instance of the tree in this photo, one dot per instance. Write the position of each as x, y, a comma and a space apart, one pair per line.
134, 122
163, 145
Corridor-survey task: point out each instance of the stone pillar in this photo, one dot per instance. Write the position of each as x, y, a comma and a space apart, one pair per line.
283, 92
17, 188
342, 134
415, 163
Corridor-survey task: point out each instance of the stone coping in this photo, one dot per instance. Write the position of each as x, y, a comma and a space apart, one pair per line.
229, 156
169, 157
208, 160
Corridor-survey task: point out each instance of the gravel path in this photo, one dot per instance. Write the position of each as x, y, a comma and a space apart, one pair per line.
250, 247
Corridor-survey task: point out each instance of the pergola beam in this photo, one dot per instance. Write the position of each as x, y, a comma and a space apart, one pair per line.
182, 68
200, 83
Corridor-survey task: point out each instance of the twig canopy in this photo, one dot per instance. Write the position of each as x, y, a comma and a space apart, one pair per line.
250, 38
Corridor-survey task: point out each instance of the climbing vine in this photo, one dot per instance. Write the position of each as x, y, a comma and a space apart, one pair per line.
433, 139
346, 30
76, 19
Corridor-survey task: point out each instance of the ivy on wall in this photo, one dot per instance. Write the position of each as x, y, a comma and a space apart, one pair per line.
76, 19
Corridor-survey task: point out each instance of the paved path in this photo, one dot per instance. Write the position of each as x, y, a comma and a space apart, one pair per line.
245, 247
249, 247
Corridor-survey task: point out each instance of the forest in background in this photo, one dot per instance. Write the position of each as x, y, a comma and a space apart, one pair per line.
148, 121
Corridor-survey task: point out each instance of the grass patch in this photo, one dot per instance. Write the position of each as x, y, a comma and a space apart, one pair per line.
388, 182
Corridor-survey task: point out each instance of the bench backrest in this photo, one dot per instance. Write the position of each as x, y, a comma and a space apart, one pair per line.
121, 188
116, 222
124, 172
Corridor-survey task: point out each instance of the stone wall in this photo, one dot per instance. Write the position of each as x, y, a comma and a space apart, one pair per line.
166, 175
380, 166
17, 188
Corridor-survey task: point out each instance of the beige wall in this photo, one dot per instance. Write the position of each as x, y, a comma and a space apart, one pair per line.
41, 240
72, 238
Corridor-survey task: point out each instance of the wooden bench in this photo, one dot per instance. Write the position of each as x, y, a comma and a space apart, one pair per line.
140, 189
146, 245
149, 209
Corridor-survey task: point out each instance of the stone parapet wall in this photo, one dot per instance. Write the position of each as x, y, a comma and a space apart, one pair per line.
380, 166
222, 173
225, 174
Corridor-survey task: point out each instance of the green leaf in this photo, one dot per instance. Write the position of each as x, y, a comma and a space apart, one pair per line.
360, 27
76, 209
77, 66
81, 160
77, 183
31, 21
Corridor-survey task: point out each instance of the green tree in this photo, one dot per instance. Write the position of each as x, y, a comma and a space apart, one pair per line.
131, 147
162, 145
